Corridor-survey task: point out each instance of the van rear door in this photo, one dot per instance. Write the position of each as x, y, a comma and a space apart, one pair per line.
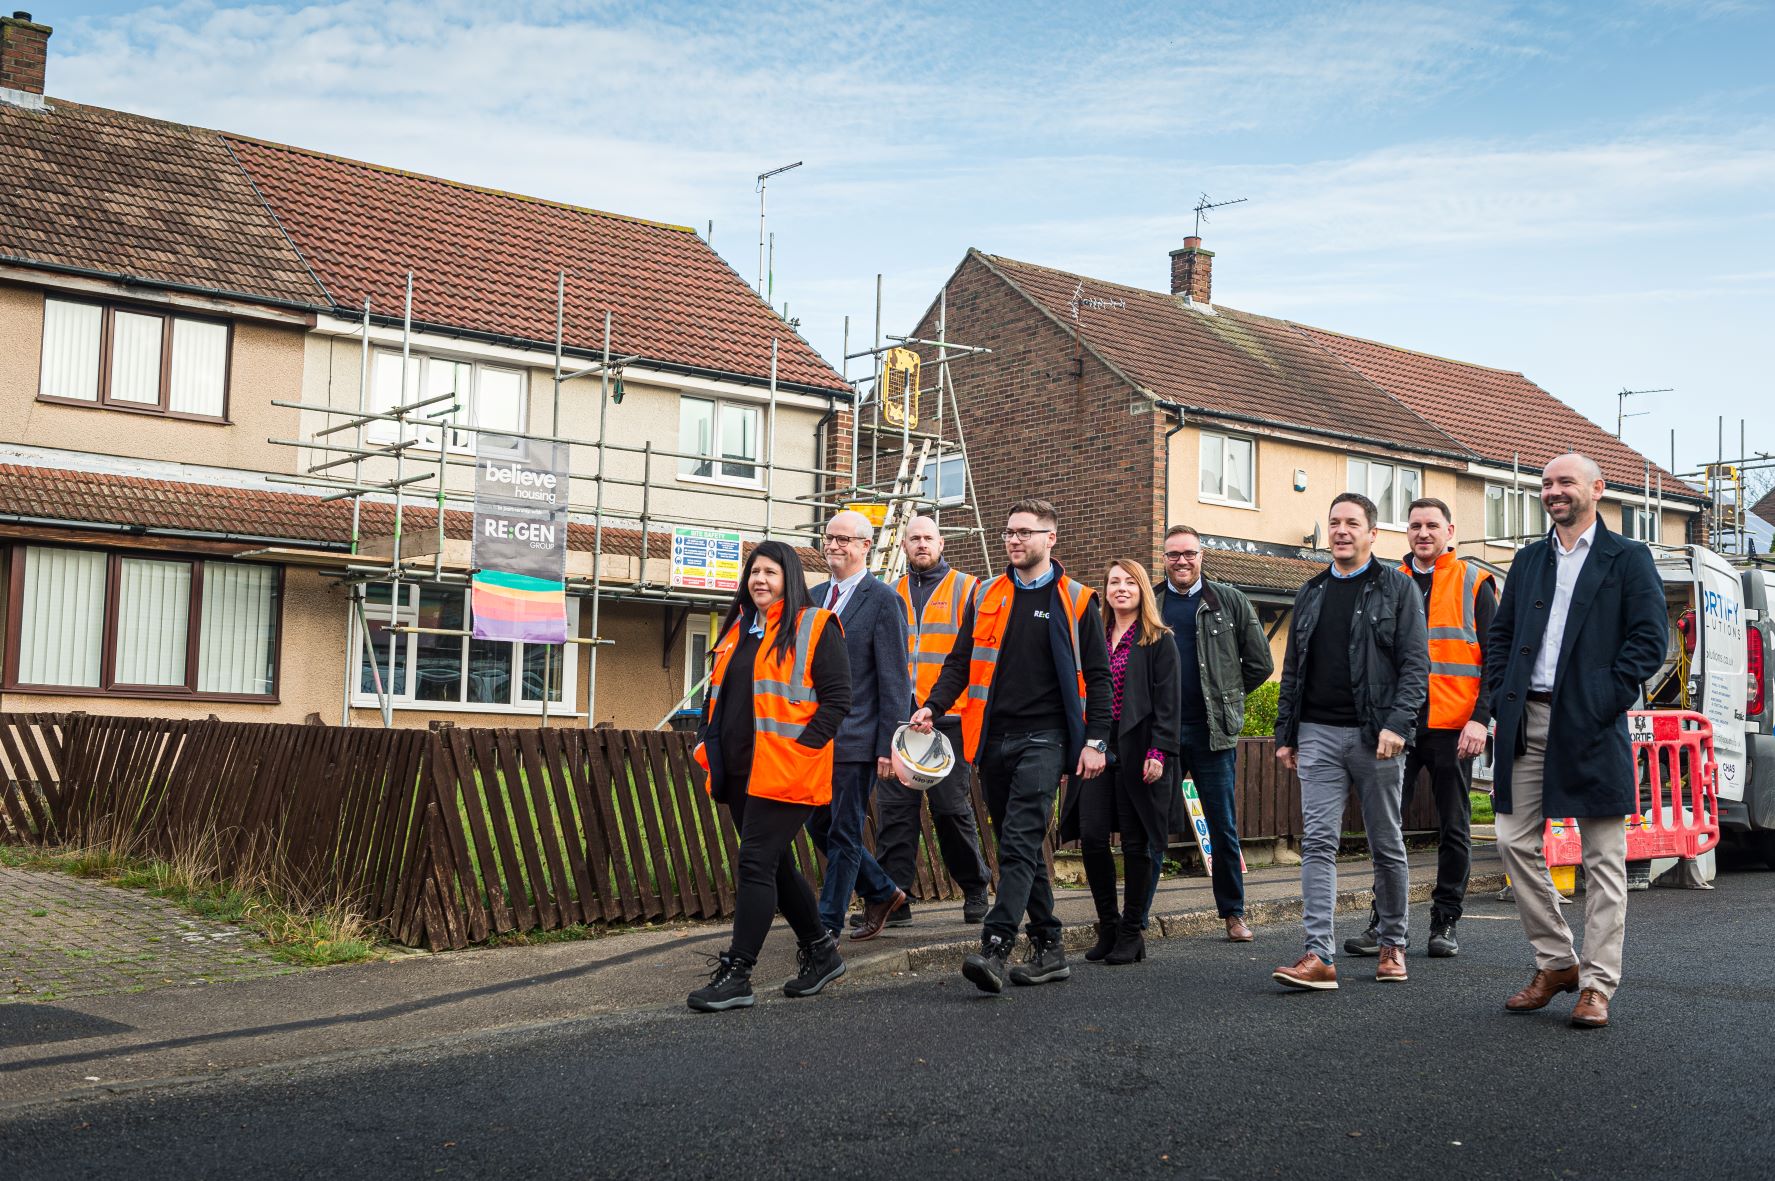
1723, 663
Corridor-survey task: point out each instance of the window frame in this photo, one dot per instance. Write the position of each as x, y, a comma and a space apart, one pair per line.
1226, 439
715, 458
1401, 504
699, 626
378, 431
375, 613
1523, 496
936, 498
1644, 520
108, 310
108, 685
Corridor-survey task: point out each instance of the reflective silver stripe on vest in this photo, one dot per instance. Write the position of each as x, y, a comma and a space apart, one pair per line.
929, 657
940, 629
796, 692
977, 692
989, 655
1442, 668
804, 639
1468, 586
1454, 633
772, 726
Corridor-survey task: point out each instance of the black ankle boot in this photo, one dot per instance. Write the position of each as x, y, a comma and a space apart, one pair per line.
1130, 944
729, 986
1106, 938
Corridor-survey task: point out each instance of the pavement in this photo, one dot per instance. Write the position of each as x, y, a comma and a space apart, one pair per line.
63, 937
1192, 1064
95, 1044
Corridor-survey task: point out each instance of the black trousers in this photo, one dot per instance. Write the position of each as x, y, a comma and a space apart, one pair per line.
766, 877
1451, 778
1105, 808
897, 809
1019, 774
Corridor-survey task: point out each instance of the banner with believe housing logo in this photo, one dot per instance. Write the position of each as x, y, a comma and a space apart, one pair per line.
518, 590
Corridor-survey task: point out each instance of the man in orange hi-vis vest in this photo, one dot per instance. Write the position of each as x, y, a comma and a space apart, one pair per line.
935, 597
1460, 600
1029, 675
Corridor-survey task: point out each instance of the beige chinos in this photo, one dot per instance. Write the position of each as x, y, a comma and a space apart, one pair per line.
1537, 902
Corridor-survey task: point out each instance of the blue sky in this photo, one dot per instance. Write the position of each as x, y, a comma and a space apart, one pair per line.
1582, 192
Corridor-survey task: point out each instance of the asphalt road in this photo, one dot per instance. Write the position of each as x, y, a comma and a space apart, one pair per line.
1193, 1064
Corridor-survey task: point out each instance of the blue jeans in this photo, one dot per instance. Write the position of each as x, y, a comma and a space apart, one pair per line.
838, 831
1212, 770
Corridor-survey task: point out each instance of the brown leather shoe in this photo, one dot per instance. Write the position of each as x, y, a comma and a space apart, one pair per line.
1591, 1011
1391, 969
875, 915
1307, 972
1236, 930
1543, 988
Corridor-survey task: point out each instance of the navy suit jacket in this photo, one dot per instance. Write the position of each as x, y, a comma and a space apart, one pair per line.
874, 624
1616, 634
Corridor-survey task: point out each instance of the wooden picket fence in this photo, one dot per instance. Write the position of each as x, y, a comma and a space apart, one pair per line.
447, 836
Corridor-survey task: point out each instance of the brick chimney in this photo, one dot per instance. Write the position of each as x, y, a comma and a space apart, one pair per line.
24, 50
1192, 271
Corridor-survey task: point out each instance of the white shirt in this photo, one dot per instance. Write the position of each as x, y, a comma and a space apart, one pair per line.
1569, 564
845, 587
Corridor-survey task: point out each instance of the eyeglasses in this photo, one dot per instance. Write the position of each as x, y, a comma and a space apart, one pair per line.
1182, 555
843, 538
1023, 534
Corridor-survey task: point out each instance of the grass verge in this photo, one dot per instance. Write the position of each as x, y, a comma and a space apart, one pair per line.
308, 934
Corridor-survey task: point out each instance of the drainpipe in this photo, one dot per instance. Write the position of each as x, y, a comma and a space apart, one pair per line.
1174, 408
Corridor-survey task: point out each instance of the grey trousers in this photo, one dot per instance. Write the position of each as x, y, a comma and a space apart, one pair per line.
1332, 759
1520, 843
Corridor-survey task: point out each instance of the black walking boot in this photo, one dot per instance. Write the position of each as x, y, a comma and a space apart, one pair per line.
1369, 942
1130, 944
729, 986
975, 907
986, 968
1046, 963
1107, 930
1442, 940
817, 964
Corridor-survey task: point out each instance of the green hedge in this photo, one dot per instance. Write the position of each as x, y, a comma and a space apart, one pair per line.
1260, 710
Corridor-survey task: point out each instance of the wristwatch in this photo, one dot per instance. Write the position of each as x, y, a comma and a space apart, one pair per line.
1098, 745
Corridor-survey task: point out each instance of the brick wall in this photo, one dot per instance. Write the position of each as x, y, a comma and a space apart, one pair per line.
1045, 418
24, 54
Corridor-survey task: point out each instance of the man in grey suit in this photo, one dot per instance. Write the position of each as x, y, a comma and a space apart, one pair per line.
881, 696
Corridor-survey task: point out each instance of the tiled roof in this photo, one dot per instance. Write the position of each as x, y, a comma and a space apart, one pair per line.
113, 192
101, 498
1500, 416
1229, 363
1258, 572
487, 261
1765, 508
101, 190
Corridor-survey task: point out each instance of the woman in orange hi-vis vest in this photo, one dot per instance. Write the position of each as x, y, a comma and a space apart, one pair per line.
781, 684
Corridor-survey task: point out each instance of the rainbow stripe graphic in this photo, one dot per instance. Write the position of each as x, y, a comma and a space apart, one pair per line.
518, 607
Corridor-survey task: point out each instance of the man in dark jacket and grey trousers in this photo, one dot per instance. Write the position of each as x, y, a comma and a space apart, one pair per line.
1356, 674
1581, 626
881, 697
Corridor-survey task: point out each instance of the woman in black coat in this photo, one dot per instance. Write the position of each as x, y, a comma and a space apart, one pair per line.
1133, 795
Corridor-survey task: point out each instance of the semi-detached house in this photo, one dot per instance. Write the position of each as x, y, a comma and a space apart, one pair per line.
178, 306
1133, 409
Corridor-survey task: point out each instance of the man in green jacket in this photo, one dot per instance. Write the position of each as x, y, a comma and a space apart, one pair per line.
1225, 656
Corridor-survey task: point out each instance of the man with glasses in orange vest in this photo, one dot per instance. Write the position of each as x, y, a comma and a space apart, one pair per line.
1460, 600
1030, 672
936, 598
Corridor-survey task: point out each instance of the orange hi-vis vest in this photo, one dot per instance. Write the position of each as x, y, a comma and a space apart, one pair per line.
1456, 663
992, 615
931, 634
782, 705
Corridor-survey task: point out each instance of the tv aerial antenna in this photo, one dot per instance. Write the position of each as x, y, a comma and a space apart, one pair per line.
1204, 205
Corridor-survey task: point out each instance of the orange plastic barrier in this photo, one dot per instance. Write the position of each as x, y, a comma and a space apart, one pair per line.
1680, 815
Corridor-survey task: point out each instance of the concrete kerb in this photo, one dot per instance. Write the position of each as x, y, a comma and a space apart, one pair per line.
1186, 924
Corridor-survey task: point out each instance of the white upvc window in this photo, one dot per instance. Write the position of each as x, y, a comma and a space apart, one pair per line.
90, 620
719, 440
697, 644
1514, 516
944, 481
128, 358
446, 672
1639, 523
487, 397
1228, 469
1391, 486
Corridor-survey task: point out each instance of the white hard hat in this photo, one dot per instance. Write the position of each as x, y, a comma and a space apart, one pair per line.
922, 759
